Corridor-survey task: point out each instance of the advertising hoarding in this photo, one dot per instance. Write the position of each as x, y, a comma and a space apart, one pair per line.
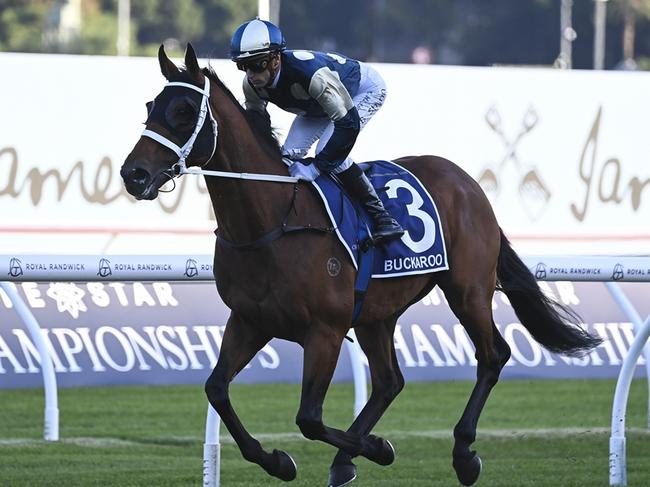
170, 333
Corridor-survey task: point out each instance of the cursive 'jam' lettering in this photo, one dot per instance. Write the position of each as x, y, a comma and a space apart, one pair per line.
101, 191
605, 181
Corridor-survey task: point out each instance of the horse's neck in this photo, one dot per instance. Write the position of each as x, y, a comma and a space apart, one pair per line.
244, 209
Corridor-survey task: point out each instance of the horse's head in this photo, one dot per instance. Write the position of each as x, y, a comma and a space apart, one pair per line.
180, 129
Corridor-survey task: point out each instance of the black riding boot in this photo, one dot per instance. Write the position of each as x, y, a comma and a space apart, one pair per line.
357, 185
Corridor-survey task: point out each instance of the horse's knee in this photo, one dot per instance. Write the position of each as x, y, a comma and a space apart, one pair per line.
217, 392
310, 426
389, 391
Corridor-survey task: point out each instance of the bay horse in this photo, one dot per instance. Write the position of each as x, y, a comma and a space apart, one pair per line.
276, 282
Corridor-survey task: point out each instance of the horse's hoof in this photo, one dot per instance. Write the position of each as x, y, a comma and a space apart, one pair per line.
285, 467
381, 451
341, 475
468, 469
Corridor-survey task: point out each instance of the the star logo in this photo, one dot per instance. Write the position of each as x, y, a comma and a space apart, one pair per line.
68, 297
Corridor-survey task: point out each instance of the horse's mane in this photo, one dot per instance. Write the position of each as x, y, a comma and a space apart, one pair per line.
260, 123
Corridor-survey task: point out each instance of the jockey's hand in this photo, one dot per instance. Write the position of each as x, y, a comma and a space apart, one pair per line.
306, 172
305, 161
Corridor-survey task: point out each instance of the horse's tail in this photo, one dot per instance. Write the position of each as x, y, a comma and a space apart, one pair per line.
548, 321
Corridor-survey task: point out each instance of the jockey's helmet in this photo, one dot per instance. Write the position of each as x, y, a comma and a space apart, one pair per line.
256, 37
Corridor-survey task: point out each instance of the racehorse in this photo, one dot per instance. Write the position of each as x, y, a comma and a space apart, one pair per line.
276, 281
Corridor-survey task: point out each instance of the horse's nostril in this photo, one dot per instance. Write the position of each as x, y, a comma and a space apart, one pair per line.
139, 176
136, 181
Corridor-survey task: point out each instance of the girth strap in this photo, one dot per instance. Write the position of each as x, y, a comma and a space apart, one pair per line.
274, 234
365, 259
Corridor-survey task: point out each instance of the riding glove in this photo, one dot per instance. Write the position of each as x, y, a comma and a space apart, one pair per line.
305, 172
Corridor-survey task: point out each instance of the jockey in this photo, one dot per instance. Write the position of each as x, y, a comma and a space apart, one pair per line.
333, 97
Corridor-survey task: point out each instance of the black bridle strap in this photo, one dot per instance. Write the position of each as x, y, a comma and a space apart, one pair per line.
276, 233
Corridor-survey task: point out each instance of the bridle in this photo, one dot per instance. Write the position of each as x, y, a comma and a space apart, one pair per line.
204, 110
180, 167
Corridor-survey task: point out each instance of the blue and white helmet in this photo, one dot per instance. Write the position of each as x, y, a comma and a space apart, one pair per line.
256, 37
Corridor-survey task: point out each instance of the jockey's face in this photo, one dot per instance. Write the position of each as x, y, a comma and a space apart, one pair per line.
261, 72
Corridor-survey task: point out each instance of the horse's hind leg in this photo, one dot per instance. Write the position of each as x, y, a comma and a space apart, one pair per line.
239, 345
387, 382
472, 305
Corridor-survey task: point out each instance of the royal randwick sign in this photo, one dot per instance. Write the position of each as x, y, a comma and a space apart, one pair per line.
163, 333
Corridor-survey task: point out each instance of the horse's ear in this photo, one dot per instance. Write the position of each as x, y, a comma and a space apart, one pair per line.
191, 62
167, 67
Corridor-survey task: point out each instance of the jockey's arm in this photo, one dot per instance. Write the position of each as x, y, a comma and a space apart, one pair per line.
330, 93
252, 100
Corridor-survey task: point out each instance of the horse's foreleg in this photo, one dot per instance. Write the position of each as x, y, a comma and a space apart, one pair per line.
474, 311
387, 382
239, 345
322, 347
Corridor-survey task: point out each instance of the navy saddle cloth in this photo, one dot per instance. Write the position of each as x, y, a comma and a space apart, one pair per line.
422, 247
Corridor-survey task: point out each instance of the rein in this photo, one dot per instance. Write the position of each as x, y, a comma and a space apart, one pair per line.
180, 169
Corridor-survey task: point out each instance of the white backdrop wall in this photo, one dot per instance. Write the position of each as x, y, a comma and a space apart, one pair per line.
560, 153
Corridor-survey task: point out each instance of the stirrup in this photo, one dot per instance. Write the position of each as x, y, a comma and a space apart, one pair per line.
387, 228
379, 238
385, 235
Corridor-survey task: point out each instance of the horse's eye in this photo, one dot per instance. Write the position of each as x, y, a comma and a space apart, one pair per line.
181, 112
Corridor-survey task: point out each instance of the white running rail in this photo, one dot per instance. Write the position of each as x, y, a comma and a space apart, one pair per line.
51, 416
610, 270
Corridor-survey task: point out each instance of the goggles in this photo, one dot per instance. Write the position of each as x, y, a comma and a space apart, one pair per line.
255, 65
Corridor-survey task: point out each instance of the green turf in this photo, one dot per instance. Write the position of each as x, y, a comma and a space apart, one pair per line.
153, 436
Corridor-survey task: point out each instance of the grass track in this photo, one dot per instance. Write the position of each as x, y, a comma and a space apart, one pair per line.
537, 433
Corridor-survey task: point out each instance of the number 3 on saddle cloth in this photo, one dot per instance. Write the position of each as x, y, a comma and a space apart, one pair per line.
420, 250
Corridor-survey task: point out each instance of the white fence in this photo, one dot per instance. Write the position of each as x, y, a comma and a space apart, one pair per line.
610, 270
35, 268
